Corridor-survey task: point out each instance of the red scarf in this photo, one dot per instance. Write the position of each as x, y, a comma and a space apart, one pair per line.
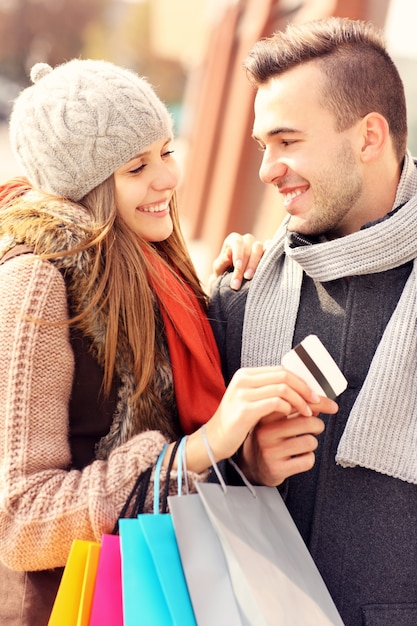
16, 185
195, 360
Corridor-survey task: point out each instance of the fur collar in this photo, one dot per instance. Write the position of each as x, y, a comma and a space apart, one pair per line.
62, 226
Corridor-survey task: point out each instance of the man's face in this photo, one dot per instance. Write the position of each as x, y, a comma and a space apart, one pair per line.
315, 168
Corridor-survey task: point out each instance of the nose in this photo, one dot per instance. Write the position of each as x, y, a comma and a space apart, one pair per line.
167, 175
272, 168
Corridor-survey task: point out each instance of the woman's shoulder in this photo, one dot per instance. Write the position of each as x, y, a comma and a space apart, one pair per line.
45, 223
26, 273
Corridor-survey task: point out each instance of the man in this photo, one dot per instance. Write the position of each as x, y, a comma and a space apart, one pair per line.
330, 119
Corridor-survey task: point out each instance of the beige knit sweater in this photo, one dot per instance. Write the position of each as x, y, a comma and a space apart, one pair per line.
43, 507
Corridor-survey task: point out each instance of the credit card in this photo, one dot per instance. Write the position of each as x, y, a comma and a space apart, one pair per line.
311, 361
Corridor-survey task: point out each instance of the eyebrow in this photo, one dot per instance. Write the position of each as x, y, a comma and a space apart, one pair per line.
278, 131
144, 153
138, 156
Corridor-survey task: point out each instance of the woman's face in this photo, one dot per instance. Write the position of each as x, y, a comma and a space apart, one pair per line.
144, 186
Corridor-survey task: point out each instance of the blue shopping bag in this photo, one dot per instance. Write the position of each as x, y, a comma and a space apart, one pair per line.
153, 582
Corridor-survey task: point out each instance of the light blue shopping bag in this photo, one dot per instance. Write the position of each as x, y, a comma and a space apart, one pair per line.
153, 583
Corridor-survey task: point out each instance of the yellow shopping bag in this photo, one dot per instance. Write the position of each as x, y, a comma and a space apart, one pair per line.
73, 601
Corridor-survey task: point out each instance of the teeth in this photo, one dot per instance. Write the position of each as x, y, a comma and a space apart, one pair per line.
290, 196
155, 209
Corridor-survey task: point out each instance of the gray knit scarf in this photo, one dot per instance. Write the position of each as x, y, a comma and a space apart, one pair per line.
381, 431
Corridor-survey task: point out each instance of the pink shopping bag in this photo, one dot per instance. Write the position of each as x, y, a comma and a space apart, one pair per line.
107, 607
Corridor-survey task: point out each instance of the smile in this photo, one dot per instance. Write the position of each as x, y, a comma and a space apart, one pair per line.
289, 197
156, 208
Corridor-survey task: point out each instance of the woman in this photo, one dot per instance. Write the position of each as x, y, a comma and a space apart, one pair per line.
105, 350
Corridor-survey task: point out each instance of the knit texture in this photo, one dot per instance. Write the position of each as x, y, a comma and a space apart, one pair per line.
43, 505
381, 432
80, 122
62, 226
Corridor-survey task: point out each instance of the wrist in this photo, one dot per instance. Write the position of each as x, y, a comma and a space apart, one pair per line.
196, 455
246, 461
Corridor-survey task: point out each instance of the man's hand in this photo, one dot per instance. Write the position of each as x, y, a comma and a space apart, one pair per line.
278, 448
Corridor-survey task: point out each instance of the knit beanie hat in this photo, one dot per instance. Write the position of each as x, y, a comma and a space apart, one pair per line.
80, 122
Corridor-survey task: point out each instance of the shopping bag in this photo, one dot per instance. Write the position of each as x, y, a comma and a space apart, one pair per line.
204, 564
72, 604
107, 605
274, 579
81, 600
153, 583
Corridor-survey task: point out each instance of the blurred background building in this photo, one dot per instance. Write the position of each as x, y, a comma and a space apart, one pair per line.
192, 51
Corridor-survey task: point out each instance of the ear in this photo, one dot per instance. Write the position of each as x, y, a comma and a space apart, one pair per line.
375, 134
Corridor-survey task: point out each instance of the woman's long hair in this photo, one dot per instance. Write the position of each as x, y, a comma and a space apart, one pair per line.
119, 284
120, 281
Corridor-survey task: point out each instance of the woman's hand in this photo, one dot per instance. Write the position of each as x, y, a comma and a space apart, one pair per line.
255, 408
243, 253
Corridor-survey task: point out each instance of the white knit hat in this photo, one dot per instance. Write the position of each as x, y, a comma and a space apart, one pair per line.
80, 122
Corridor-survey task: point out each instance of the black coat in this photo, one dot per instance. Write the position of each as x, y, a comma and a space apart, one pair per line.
359, 525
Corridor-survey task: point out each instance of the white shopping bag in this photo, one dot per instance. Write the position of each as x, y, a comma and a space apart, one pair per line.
274, 578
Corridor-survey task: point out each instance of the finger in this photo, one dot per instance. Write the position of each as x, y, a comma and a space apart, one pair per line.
279, 375
251, 377
325, 405
236, 248
277, 459
258, 388
231, 252
241, 251
270, 433
240, 245
279, 470
223, 262
279, 399
252, 252
256, 253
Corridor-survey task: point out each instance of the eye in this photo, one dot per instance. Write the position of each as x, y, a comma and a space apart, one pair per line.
288, 142
167, 153
136, 170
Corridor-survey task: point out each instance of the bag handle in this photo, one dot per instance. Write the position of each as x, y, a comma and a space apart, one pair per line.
139, 489
184, 468
157, 478
232, 463
141, 486
179, 446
